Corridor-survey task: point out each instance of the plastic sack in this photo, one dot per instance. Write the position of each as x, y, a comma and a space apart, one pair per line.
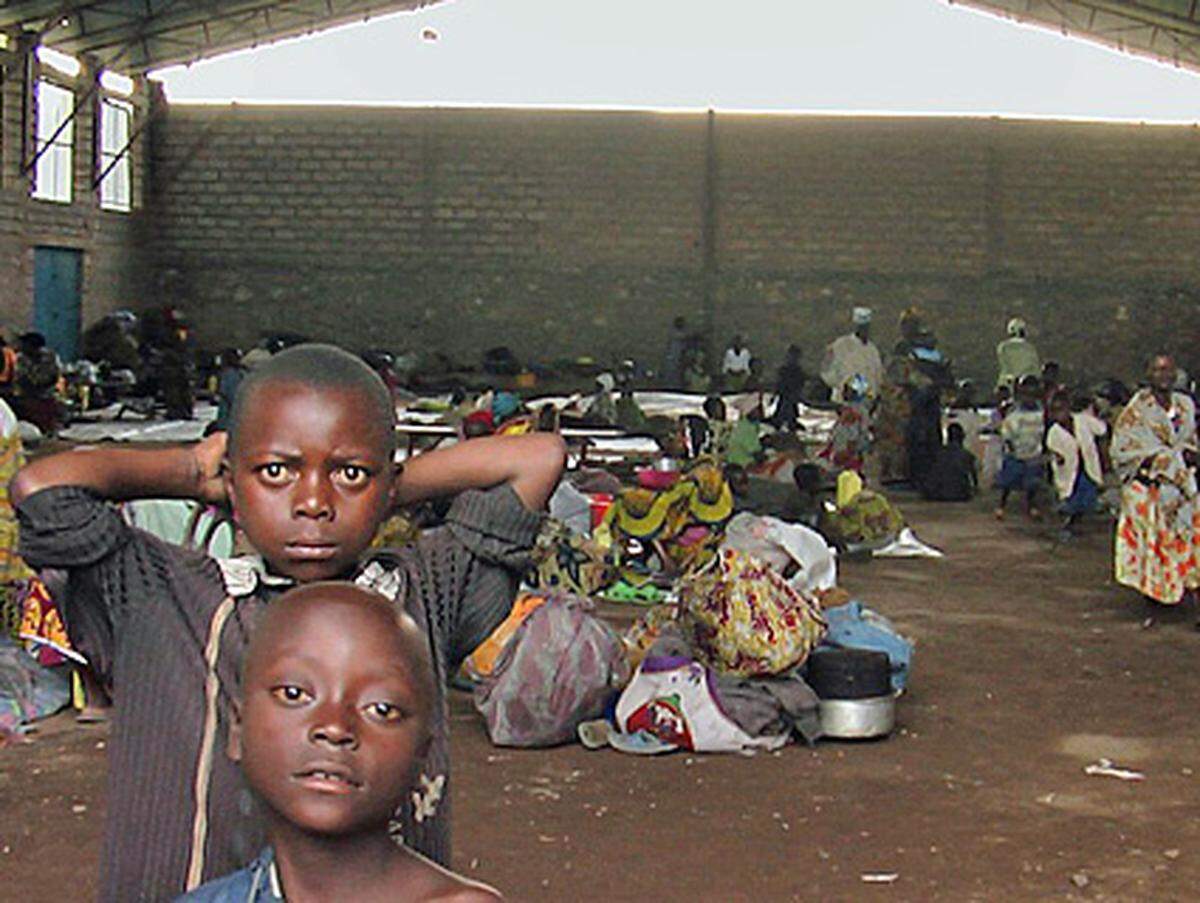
482, 661
854, 626
780, 544
741, 617
28, 691
673, 700
559, 669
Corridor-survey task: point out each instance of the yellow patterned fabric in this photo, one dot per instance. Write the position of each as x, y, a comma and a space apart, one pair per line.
42, 628
685, 520
567, 562
742, 617
12, 568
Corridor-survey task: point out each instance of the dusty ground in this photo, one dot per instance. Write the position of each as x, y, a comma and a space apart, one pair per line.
1031, 665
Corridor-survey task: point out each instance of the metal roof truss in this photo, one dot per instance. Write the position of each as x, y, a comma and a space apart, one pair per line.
1167, 30
134, 36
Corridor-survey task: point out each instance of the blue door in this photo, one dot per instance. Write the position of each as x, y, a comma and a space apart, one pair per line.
57, 282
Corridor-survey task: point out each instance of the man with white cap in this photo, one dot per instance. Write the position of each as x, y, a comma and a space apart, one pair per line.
1016, 355
853, 355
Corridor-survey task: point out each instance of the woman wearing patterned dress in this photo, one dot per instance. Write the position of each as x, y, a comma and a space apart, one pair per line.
1154, 453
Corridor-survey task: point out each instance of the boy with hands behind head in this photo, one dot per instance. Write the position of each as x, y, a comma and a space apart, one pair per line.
309, 474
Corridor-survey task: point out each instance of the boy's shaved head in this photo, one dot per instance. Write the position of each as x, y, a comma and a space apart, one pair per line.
318, 366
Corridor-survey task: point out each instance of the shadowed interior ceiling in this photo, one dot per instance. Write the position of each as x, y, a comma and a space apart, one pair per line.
134, 36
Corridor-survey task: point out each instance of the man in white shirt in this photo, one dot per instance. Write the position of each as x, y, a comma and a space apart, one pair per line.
736, 365
853, 355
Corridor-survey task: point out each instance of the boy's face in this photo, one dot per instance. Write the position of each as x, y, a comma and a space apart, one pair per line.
311, 477
333, 717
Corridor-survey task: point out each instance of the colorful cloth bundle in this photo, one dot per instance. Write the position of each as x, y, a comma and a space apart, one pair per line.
741, 617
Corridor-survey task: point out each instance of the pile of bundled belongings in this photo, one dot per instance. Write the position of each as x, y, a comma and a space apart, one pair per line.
739, 605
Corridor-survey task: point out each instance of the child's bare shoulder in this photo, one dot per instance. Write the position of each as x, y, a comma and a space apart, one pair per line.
464, 891
425, 880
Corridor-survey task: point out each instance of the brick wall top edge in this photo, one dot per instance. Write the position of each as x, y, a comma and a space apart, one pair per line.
724, 119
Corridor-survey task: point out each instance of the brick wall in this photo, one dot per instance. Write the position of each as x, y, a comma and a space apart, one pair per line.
563, 233
114, 271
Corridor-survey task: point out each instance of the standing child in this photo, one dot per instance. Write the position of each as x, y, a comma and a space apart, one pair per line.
1022, 433
333, 717
850, 439
309, 472
1075, 457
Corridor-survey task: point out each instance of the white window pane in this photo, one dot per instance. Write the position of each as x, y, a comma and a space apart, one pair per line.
115, 187
114, 126
52, 175
54, 105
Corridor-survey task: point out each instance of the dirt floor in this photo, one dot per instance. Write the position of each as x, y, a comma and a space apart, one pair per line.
1030, 666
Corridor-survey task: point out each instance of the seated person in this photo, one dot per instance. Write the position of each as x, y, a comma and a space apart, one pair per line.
736, 365
630, 416
954, 476
37, 378
738, 442
601, 409
743, 446
759, 496
335, 714
695, 371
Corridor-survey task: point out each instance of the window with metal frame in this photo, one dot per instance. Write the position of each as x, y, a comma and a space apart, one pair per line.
116, 122
52, 177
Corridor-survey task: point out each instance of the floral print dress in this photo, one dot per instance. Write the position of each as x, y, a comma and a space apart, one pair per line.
1156, 539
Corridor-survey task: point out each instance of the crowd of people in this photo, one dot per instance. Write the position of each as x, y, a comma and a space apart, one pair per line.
313, 670
122, 355
904, 419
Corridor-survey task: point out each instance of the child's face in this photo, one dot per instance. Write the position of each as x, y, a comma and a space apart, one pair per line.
333, 718
311, 477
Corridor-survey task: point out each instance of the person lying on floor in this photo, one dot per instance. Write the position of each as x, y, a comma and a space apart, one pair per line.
333, 719
308, 470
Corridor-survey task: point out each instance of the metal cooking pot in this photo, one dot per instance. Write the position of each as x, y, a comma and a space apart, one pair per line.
858, 719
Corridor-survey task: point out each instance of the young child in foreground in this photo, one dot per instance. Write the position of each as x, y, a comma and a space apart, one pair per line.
1022, 431
309, 473
334, 717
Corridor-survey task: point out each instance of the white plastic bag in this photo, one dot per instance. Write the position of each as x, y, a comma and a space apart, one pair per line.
778, 543
672, 699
